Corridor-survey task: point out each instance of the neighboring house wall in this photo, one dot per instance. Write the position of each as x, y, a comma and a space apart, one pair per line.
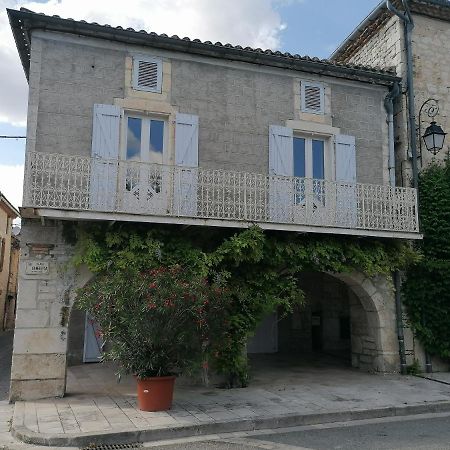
431, 51
431, 59
11, 295
5, 249
7, 262
236, 103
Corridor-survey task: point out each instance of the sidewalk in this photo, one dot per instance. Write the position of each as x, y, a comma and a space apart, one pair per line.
281, 394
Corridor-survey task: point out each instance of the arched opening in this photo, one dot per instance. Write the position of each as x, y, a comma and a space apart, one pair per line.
346, 320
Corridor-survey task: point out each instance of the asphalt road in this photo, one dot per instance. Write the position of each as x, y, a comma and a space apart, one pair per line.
425, 432
6, 341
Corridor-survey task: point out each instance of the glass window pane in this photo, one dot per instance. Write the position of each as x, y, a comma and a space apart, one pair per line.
299, 157
318, 159
134, 138
156, 141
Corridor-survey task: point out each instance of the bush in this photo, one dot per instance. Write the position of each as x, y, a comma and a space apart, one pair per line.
157, 322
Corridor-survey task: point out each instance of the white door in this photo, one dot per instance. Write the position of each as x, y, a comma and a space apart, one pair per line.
93, 342
144, 178
265, 339
309, 188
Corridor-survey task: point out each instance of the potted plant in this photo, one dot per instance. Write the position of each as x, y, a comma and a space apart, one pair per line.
157, 324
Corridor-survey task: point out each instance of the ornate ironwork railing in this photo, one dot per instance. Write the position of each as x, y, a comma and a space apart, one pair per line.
89, 184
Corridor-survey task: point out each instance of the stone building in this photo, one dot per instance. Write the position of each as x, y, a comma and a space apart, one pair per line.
8, 263
125, 125
379, 41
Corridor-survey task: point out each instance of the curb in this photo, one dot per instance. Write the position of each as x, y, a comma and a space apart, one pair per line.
24, 434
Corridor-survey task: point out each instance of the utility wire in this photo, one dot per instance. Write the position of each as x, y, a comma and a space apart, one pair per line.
13, 137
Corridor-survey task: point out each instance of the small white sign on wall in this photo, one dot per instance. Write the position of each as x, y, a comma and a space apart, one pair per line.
36, 268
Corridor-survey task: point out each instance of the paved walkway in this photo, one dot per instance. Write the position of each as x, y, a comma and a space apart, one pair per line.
281, 394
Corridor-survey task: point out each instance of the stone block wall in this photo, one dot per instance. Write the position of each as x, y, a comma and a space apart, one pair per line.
45, 296
236, 103
431, 51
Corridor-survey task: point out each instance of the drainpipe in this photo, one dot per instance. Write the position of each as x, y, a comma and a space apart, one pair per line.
408, 26
398, 314
389, 106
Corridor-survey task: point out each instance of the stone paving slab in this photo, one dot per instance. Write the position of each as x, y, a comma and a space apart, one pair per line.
98, 409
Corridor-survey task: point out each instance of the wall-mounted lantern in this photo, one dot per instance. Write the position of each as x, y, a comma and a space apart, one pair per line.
434, 135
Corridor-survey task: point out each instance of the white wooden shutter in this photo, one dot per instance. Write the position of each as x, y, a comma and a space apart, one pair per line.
105, 156
186, 160
346, 192
281, 164
93, 342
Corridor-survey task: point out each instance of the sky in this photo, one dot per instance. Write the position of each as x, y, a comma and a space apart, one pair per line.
306, 27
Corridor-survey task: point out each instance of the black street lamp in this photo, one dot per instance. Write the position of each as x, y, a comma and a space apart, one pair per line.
434, 138
434, 135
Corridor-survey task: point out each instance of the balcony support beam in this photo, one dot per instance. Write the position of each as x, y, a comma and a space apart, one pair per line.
60, 214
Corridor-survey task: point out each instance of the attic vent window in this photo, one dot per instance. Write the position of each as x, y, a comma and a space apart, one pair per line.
312, 97
147, 73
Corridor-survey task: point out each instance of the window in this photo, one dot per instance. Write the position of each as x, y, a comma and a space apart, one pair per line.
312, 97
145, 140
147, 73
309, 162
144, 143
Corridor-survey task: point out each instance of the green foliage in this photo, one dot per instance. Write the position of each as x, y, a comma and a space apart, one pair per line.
427, 287
260, 269
414, 368
157, 322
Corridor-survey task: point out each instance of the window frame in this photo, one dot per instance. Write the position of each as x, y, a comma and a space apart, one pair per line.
147, 117
303, 108
328, 158
135, 71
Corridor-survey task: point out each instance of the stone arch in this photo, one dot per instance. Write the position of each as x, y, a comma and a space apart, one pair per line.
376, 295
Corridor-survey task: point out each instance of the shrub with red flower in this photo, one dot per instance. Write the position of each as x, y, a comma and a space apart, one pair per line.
157, 322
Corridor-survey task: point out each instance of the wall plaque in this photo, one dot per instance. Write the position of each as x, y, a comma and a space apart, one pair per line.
36, 268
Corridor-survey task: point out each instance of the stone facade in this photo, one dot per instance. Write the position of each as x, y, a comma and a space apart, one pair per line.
236, 103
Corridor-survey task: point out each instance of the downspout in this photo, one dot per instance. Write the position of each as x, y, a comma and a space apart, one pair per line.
408, 26
389, 106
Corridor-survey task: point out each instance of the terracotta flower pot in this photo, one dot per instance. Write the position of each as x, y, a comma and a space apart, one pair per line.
155, 393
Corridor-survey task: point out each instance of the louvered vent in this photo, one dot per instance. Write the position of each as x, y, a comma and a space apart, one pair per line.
147, 74
312, 98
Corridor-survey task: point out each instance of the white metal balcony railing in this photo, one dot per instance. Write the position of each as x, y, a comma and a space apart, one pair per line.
62, 182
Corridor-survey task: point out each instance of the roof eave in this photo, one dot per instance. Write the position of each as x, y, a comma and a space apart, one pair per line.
24, 22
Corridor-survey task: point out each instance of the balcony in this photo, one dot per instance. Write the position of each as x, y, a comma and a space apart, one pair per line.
83, 188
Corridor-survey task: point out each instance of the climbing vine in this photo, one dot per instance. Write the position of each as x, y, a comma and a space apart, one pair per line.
261, 269
427, 287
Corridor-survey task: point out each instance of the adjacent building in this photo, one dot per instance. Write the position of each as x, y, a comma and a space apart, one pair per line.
380, 41
125, 125
9, 257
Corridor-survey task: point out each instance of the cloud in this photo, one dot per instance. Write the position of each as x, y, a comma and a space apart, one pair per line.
13, 86
11, 181
255, 23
